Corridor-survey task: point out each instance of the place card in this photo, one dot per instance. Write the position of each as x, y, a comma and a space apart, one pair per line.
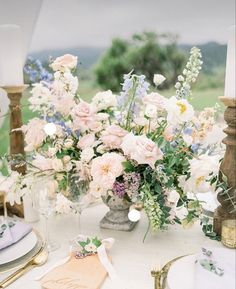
86, 273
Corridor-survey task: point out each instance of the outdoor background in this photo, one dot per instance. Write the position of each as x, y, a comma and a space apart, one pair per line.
113, 37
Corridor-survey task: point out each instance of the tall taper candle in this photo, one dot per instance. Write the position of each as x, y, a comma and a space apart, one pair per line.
11, 55
230, 65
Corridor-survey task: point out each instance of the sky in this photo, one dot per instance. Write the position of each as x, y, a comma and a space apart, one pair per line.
73, 23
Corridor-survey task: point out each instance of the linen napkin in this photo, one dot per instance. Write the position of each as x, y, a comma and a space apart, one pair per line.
11, 231
215, 269
86, 267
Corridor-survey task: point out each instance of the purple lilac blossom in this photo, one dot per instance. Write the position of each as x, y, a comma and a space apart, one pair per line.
119, 189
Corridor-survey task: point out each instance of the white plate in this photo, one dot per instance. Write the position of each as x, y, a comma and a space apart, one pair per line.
21, 248
181, 273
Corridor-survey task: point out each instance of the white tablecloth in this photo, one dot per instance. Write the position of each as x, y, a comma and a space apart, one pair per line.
132, 258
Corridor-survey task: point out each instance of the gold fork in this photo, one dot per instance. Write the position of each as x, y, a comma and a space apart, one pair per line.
156, 274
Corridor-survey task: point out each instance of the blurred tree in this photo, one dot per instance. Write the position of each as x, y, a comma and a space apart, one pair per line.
147, 53
113, 65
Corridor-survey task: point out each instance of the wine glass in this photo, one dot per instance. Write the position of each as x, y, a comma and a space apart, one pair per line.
79, 198
45, 203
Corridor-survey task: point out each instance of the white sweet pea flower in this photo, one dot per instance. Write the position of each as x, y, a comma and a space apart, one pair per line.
11, 185
158, 79
40, 98
188, 139
173, 197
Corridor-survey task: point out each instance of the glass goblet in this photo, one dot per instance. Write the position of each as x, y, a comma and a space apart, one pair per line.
45, 203
79, 198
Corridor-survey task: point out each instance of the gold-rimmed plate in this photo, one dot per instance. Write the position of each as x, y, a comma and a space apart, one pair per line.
15, 264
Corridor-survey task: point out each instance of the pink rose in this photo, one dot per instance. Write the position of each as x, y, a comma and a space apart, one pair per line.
156, 99
141, 149
106, 169
95, 126
34, 134
83, 115
64, 62
113, 135
86, 141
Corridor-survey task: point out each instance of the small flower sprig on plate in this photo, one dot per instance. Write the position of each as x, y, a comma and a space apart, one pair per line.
209, 264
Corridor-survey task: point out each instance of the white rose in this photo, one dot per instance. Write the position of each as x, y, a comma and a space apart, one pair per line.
104, 100
57, 165
87, 154
158, 79
151, 111
200, 170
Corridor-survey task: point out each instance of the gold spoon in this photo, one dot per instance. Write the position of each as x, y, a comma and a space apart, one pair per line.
38, 260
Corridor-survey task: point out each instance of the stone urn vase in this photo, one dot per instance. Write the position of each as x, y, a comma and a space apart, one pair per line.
117, 217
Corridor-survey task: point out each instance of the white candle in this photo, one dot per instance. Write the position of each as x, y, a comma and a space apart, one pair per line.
11, 55
230, 65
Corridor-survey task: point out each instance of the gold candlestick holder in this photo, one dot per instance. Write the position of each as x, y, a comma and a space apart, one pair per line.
226, 210
14, 94
228, 234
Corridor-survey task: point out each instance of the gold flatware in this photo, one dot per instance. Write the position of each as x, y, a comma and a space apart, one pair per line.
156, 274
38, 260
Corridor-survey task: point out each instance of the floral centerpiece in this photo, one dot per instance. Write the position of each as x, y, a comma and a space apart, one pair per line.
137, 146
